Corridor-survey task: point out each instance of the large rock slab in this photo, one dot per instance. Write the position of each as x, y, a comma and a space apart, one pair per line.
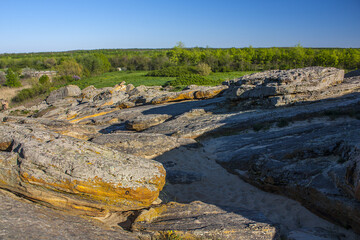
315, 163
198, 220
70, 174
64, 92
25, 220
200, 92
282, 87
147, 145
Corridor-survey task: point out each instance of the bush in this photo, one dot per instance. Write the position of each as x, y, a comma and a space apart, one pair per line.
44, 79
12, 79
29, 93
203, 69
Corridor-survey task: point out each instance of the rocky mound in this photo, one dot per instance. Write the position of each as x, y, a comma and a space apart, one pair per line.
75, 175
283, 87
87, 152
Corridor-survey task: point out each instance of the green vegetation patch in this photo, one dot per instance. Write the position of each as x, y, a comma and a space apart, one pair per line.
112, 78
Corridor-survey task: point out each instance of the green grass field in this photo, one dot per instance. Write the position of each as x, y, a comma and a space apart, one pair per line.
138, 78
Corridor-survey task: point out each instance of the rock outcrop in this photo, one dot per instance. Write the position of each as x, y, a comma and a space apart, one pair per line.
26, 220
314, 163
283, 87
75, 175
198, 220
64, 92
293, 132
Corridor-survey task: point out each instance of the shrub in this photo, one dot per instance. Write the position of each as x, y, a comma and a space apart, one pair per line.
29, 93
12, 79
44, 79
69, 67
203, 69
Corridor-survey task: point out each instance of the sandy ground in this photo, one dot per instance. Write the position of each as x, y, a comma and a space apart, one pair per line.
219, 187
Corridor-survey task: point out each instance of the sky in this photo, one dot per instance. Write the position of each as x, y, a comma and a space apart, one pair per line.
61, 25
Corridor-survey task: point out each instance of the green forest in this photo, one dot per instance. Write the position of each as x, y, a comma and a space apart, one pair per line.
175, 67
95, 62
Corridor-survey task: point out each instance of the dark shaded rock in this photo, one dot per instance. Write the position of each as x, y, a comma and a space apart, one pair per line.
182, 177
314, 163
354, 73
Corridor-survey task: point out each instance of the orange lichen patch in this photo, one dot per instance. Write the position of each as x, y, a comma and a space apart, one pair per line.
71, 117
151, 214
104, 193
90, 116
124, 105
118, 88
5, 145
74, 134
178, 97
109, 103
207, 94
114, 120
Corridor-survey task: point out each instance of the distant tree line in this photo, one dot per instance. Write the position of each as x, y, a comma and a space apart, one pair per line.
95, 62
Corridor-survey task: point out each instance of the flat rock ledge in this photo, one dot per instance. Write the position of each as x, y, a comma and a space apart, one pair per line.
74, 175
198, 220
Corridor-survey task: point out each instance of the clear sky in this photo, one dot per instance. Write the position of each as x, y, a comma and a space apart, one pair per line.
58, 25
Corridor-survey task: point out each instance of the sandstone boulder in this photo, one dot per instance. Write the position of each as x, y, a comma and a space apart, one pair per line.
70, 174
25, 220
198, 220
64, 92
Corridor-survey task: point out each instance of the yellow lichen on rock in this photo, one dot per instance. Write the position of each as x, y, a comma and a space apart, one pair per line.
91, 116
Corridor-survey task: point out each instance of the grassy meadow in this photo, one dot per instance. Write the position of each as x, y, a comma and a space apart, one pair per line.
139, 78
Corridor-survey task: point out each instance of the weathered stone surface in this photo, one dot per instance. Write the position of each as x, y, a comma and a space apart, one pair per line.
282, 87
204, 221
192, 94
143, 122
74, 175
314, 163
25, 220
61, 93
141, 144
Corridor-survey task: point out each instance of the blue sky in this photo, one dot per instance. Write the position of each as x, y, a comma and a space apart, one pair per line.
58, 25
